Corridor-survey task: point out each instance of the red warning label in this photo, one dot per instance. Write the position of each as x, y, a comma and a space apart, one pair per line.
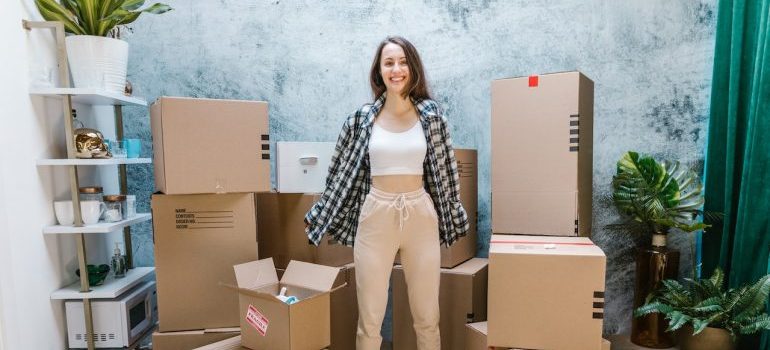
257, 320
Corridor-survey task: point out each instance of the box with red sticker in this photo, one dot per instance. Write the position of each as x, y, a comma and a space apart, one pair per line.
269, 323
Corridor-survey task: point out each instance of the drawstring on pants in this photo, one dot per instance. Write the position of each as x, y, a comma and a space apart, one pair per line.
403, 211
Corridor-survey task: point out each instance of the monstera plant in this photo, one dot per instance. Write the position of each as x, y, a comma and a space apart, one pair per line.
706, 315
97, 61
658, 195
655, 197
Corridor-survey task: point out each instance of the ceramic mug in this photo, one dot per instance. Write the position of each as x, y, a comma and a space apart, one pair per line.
90, 211
64, 214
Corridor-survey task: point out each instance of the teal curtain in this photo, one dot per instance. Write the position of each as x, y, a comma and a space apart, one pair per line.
738, 155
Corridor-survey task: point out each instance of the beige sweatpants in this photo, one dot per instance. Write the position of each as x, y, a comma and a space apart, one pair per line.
388, 223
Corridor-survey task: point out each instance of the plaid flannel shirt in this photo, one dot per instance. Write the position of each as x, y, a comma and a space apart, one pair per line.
348, 182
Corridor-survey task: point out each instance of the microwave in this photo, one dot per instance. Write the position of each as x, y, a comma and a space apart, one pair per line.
118, 322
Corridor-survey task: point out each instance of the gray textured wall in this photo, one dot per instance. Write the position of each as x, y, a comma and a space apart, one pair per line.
650, 60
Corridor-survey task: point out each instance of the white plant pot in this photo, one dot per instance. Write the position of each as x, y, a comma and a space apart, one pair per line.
97, 62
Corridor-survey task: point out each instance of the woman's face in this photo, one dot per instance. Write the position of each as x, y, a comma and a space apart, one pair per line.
394, 68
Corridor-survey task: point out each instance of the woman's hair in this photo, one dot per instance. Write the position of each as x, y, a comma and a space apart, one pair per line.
417, 87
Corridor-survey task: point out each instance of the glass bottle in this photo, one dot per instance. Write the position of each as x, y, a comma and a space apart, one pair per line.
118, 262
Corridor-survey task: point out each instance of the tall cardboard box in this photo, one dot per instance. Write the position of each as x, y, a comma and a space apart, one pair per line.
282, 235
210, 146
198, 239
462, 299
302, 167
268, 323
545, 292
465, 247
542, 155
186, 340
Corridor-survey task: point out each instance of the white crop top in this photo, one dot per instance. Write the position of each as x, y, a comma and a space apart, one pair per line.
397, 153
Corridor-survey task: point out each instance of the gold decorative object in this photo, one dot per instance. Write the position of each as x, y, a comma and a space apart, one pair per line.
89, 143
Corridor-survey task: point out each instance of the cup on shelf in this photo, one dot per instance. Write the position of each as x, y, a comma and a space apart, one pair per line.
118, 149
133, 148
130, 208
90, 211
64, 214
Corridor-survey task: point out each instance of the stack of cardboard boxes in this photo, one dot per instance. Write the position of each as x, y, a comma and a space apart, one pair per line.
210, 157
546, 278
541, 288
214, 215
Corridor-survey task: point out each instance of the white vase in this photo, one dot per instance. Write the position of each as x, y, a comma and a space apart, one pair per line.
97, 62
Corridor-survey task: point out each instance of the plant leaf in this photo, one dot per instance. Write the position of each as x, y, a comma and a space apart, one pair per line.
52, 11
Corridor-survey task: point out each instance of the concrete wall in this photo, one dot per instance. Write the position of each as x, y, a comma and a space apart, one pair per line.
651, 61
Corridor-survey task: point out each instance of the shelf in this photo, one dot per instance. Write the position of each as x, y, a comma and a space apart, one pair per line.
90, 96
108, 161
100, 227
112, 287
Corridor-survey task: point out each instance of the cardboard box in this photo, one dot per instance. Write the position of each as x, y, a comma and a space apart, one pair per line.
302, 166
210, 146
476, 337
462, 299
282, 232
344, 310
545, 292
465, 247
542, 155
191, 339
268, 323
198, 239
233, 343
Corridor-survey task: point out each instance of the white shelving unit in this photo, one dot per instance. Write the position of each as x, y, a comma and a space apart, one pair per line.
112, 287
101, 227
109, 161
89, 96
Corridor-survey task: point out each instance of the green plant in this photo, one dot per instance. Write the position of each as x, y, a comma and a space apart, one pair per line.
95, 17
657, 195
704, 303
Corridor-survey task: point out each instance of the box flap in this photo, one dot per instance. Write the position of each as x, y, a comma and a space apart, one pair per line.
480, 327
233, 343
469, 267
255, 274
312, 276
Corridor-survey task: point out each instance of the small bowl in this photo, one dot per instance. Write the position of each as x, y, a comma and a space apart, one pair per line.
96, 274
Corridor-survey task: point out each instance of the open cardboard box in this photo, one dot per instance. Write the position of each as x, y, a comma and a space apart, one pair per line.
268, 323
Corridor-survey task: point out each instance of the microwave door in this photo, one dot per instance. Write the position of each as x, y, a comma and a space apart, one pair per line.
139, 314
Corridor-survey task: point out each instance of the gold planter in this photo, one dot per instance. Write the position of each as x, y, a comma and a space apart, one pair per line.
709, 339
653, 264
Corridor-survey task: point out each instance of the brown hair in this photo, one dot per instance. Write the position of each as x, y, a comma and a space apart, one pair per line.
418, 86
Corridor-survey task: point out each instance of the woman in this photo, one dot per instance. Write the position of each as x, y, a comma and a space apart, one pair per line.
393, 186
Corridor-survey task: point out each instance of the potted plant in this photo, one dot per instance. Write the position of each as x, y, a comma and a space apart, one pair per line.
705, 315
97, 57
655, 197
